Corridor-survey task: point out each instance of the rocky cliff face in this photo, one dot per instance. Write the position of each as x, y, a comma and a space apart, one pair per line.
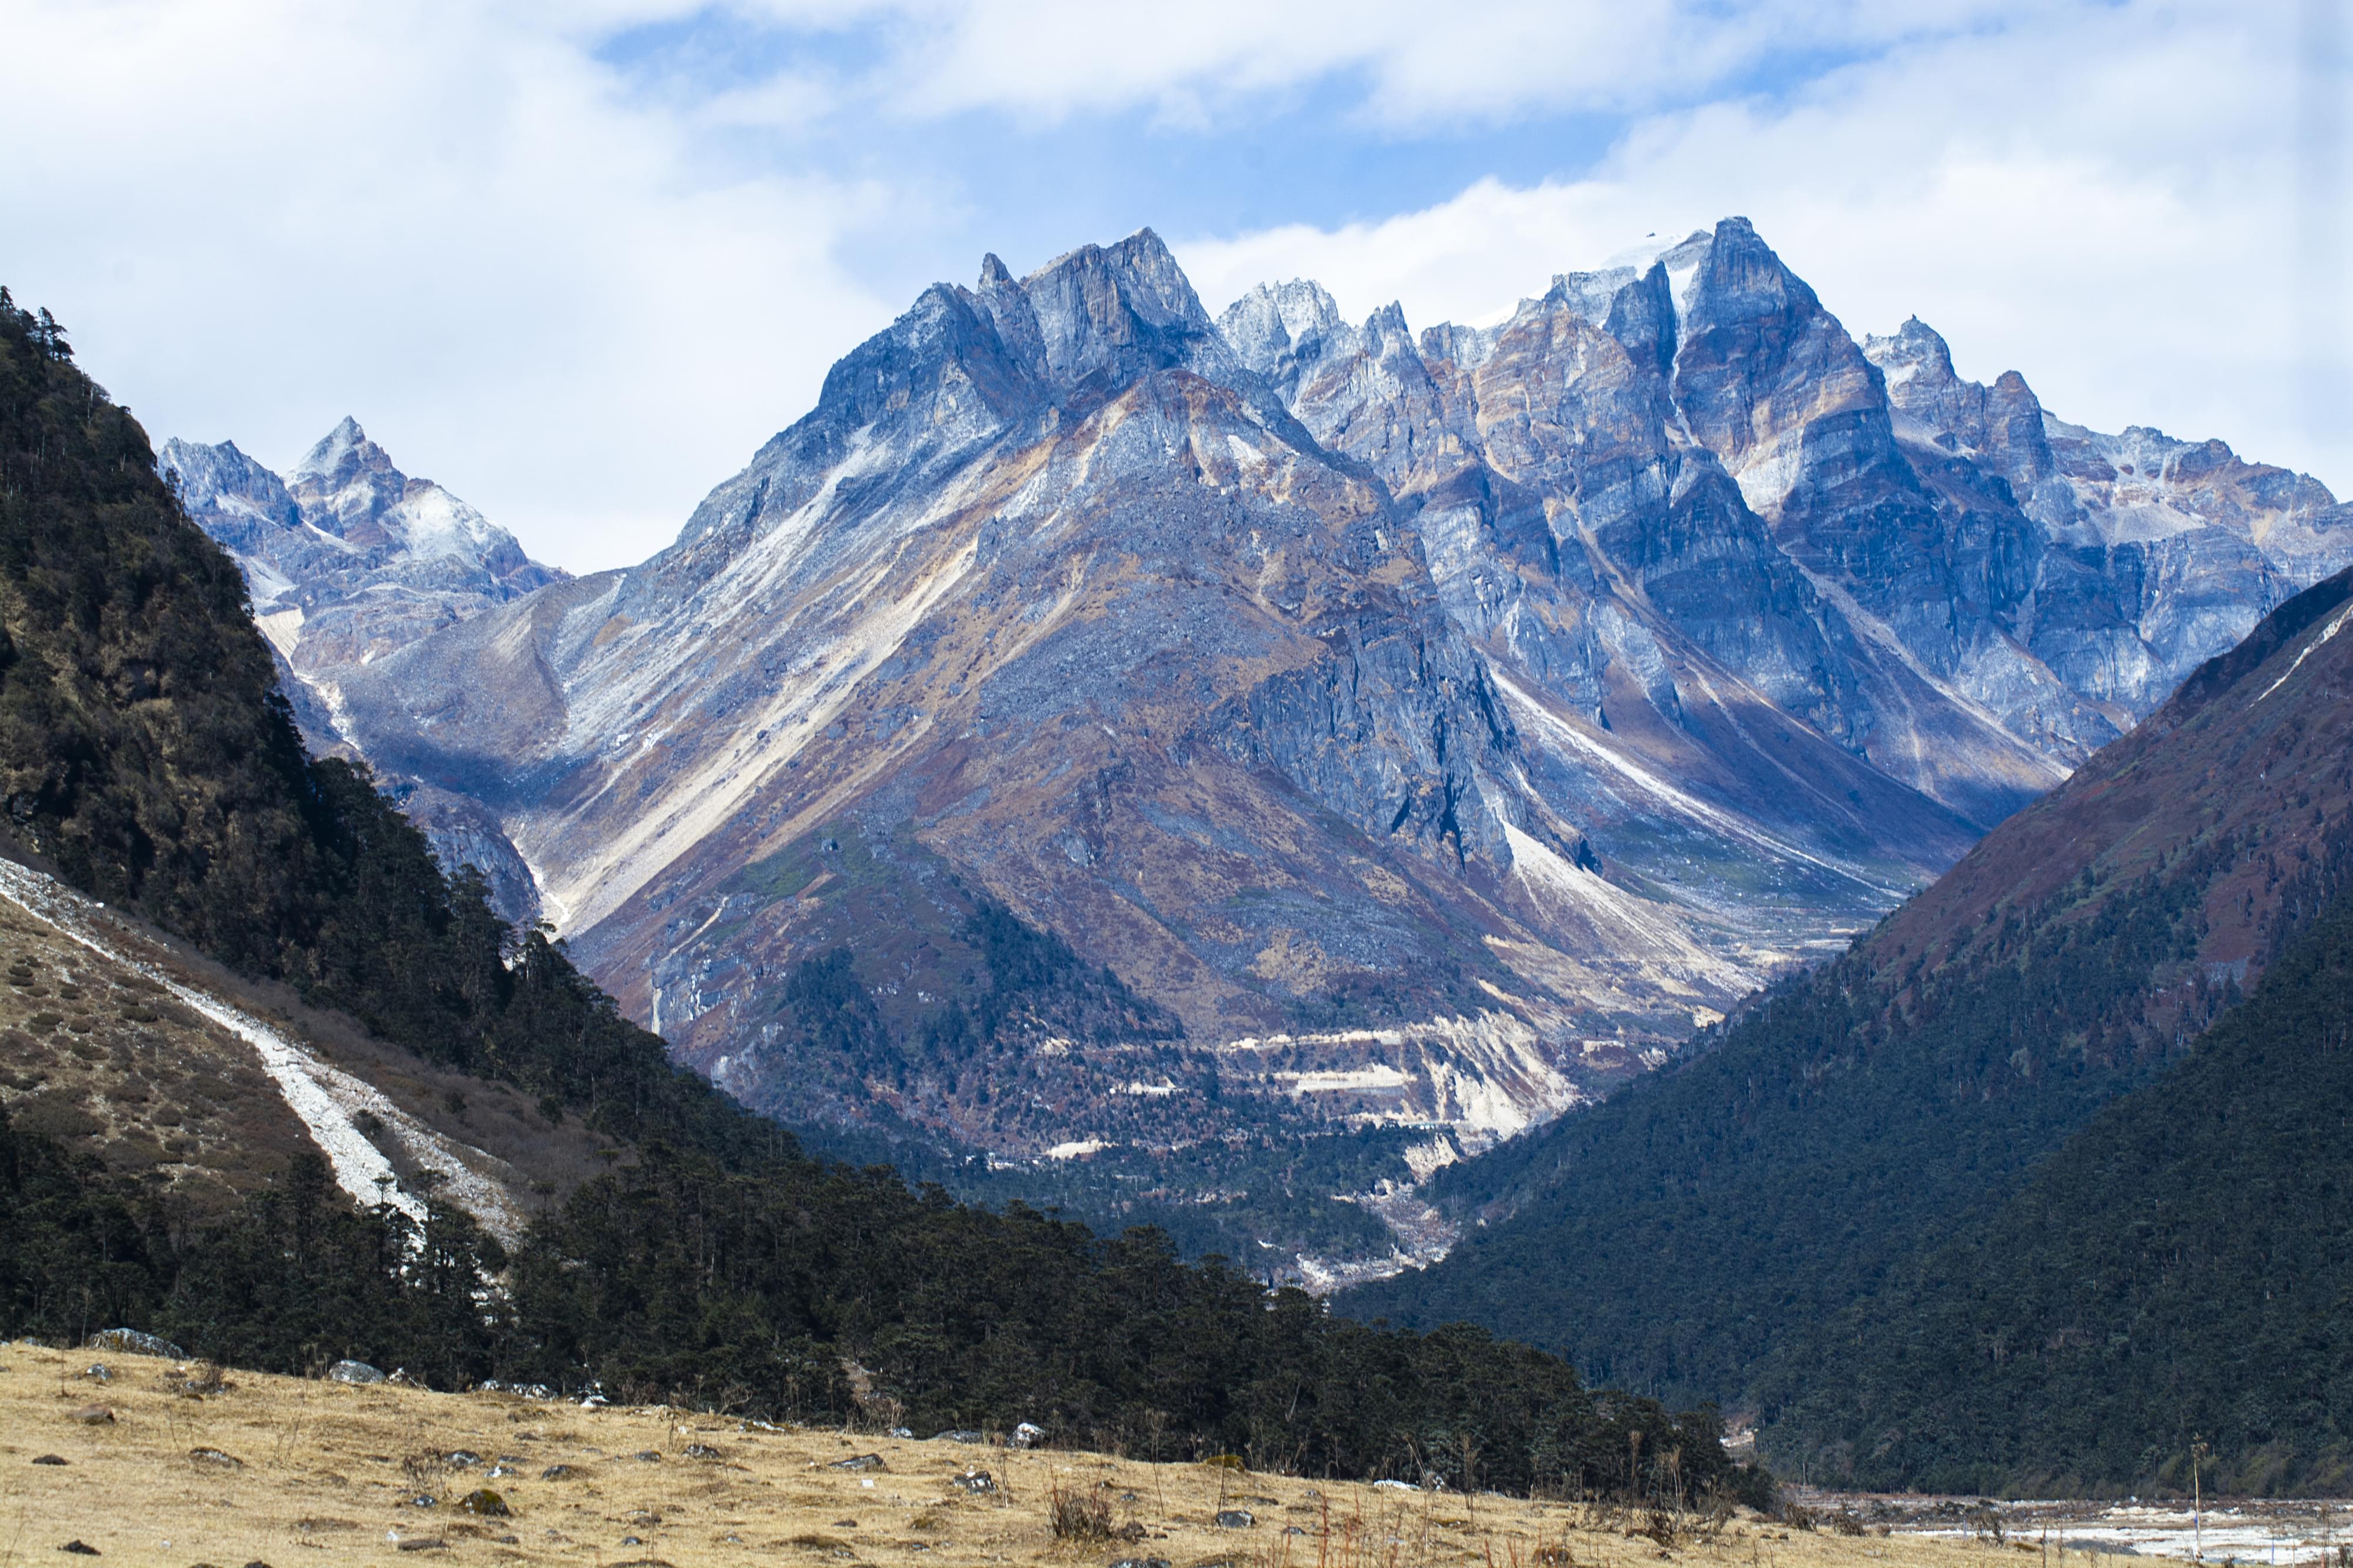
346, 560
1418, 729
1691, 471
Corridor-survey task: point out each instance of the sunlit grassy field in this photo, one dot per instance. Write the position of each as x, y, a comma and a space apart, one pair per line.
275, 1470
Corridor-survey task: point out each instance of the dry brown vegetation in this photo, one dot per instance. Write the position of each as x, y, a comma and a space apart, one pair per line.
272, 1469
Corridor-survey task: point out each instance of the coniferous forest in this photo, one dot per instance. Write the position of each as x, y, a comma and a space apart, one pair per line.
145, 752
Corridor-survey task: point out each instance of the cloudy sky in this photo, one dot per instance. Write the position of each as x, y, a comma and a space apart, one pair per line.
576, 261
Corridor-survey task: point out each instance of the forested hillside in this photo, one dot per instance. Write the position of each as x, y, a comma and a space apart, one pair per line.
143, 751
1679, 1235
2181, 1270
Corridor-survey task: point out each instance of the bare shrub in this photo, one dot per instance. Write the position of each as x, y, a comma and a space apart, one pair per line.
1078, 1513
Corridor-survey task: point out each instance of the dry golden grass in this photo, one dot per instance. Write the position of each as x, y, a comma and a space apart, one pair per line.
300, 1472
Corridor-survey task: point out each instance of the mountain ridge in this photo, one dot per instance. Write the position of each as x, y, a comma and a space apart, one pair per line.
347, 559
711, 1264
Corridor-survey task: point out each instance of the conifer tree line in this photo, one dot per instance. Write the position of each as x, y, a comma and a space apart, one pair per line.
146, 752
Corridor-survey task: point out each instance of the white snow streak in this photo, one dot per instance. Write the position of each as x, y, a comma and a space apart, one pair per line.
324, 1098
2329, 631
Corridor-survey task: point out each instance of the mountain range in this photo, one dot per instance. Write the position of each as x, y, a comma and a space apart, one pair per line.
246, 1094
2036, 1184
1098, 727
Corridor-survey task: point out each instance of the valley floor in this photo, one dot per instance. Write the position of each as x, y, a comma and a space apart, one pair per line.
273, 1470
2274, 1531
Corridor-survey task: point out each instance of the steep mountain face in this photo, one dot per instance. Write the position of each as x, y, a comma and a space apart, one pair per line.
346, 560
1052, 600
1692, 1229
1420, 731
1691, 473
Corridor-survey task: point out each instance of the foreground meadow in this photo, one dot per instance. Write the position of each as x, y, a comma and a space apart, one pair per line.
161, 1466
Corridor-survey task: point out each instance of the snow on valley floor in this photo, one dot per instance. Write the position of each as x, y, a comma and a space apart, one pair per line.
2265, 1532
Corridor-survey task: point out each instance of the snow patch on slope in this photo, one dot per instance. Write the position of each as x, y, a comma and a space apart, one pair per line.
2327, 632
326, 1099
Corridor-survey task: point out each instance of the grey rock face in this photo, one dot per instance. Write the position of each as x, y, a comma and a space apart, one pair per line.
348, 560
1668, 478
2153, 554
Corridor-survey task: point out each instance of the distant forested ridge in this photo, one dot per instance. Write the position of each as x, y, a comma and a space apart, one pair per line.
2181, 1270
145, 752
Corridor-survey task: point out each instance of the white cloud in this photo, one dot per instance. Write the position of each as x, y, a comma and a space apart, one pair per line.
1475, 59
579, 298
256, 217
2106, 205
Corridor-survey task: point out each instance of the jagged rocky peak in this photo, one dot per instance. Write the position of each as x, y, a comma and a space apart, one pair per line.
224, 479
1592, 294
347, 558
1103, 315
348, 477
348, 487
2001, 423
1914, 352
1274, 319
349, 562
963, 368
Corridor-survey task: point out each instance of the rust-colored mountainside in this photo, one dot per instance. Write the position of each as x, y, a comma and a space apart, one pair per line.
2245, 771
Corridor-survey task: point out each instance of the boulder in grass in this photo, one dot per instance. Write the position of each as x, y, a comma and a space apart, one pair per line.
484, 1504
860, 1462
130, 1342
80, 1549
1028, 1436
354, 1372
1236, 1519
959, 1434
